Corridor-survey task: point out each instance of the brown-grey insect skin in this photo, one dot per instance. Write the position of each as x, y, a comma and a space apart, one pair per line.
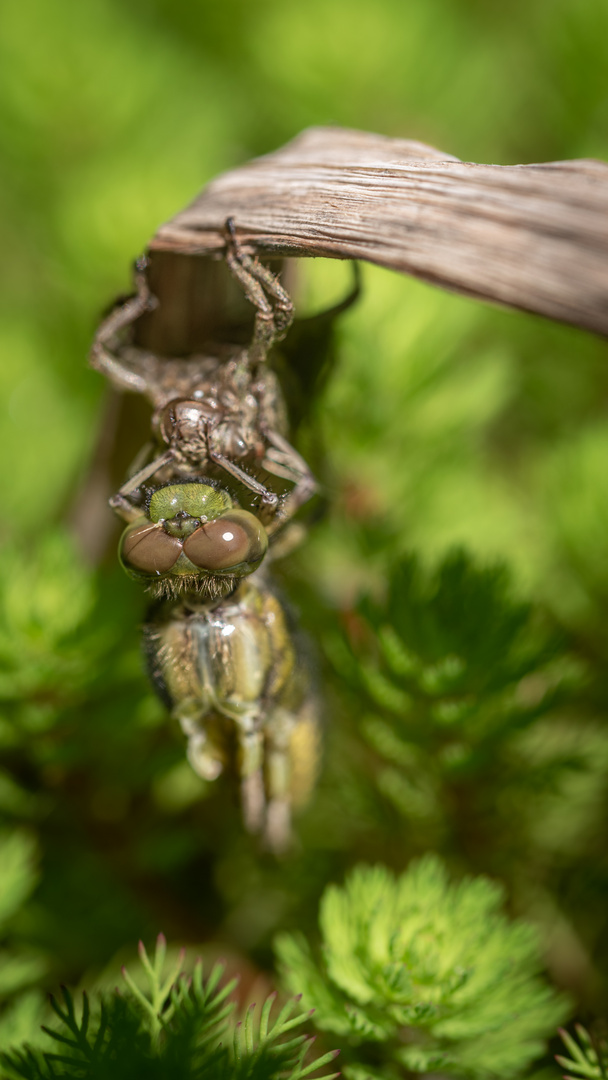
222, 412
231, 676
203, 397
219, 650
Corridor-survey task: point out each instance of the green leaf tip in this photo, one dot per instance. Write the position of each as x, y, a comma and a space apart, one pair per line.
588, 1057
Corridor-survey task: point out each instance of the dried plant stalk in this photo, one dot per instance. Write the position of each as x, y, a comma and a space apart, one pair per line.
533, 237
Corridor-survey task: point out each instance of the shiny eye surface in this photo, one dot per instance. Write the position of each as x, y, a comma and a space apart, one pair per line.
183, 417
145, 548
236, 542
197, 500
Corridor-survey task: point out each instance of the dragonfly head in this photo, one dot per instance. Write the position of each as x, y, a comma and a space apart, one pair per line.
183, 419
192, 539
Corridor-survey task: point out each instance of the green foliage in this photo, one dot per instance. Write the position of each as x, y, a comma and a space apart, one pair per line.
588, 1057
183, 1027
430, 970
458, 719
17, 872
46, 597
452, 681
20, 965
447, 653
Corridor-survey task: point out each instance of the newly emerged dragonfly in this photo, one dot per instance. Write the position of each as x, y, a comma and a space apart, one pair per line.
219, 649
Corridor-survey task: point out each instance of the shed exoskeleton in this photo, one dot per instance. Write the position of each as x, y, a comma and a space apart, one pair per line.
224, 411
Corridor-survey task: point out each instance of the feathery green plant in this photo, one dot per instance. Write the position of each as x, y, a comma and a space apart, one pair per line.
420, 973
588, 1056
451, 680
440, 665
20, 966
46, 596
446, 422
182, 1027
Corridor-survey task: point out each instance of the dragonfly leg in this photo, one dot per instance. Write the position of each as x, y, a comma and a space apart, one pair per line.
291, 768
120, 503
282, 460
250, 760
269, 498
277, 832
206, 759
273, 317
103, 355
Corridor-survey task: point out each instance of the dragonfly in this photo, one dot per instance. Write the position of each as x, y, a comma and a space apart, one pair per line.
218, 643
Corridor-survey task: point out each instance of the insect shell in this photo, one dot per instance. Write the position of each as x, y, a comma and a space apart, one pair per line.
222, 412
220, 652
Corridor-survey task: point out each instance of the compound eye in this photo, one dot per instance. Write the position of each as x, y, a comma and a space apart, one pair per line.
182, 414
183, 418
235, 542
145, 548
196, 500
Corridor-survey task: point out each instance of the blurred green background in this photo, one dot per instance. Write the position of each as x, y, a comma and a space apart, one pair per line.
113, 116
446, 423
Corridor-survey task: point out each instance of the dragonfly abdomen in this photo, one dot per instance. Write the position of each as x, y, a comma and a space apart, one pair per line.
230, 676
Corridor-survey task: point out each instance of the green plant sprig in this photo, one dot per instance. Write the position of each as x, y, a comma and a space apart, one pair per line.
424, 973
181, 1026
588, 1056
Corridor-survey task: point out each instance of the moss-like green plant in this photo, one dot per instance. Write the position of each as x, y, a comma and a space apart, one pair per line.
450, 667
465, 695
424, 974
179, 1027
20, 967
